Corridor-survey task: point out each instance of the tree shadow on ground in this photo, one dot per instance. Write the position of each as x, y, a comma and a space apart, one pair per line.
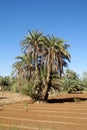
63, 100
3, 97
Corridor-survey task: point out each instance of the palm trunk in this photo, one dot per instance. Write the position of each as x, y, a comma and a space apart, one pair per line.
60, 64
61, 67
36, 57
46, 88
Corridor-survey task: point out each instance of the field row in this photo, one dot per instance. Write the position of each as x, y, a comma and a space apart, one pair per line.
23, 116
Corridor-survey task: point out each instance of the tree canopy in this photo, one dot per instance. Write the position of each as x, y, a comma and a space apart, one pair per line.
43, 59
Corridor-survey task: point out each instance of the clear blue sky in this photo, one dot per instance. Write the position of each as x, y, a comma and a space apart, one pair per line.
66, 19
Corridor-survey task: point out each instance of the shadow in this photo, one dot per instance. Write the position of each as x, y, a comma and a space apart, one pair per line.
3, 97
63, 100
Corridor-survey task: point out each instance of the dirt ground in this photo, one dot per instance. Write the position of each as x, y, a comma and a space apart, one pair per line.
62, 112
10, 97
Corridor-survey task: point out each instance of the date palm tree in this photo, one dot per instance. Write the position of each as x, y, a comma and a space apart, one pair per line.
62, 55
31, 45
17, 69
56, 58
46, 55
26, 65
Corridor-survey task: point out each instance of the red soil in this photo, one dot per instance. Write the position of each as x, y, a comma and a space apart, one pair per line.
61, 113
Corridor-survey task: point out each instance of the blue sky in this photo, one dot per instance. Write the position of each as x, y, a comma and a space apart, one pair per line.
66, 19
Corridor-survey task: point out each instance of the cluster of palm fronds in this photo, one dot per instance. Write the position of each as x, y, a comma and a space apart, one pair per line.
42, 63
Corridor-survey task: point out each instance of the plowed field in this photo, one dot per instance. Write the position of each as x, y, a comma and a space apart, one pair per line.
63, 112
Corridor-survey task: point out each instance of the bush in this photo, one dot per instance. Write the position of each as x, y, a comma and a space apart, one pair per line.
71, 85
5, 83
14, 87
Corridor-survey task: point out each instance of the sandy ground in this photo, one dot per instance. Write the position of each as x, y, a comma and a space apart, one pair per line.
10, 97
62, 112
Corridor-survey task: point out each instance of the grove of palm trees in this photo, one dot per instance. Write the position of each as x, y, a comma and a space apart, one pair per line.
42, 62
39, 71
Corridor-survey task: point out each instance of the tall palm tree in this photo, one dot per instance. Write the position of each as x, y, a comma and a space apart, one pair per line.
46, 54
57, 55
32, 43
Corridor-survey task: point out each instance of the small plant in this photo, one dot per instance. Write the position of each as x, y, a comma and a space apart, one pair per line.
26, 106
77, 100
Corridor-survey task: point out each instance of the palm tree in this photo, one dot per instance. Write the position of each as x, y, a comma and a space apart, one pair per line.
50, 59
70, 74
72, 83
17, 69
62, 55
46, 55
56, 58
31, 44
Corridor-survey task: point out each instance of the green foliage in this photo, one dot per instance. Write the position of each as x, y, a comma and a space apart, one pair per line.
72, 83
75, 86
42, 56
32, 88
84, 79
70, 74
56, 85
27, 88
5, 83
15, 87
